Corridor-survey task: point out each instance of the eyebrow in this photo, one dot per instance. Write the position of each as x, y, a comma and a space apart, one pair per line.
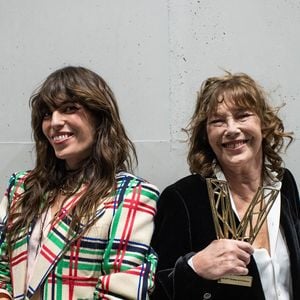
65, 103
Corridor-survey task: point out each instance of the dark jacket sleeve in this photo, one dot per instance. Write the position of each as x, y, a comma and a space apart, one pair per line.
172, 240
290, 221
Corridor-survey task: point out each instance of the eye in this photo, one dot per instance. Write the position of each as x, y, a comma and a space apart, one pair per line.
216, 122
243, 116
70, 108
46, 114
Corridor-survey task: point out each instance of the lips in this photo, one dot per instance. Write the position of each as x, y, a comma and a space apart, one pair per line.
234, 144
61, 137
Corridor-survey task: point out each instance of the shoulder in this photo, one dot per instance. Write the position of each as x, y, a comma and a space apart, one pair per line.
287, 175
20, 175
18, 179
289, 187
288, 182
189, 193
127, 181
187, 185
16, 185
290, 201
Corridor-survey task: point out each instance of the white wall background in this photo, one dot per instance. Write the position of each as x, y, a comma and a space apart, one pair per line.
154, 55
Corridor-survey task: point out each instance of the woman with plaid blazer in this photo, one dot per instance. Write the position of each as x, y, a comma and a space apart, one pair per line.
78, 226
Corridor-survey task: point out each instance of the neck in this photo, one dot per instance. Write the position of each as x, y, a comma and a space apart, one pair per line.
243, 184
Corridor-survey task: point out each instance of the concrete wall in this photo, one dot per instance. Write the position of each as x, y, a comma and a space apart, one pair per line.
154, 55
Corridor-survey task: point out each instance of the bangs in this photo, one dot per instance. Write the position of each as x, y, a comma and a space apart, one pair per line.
55, 91
236, 96
42, 104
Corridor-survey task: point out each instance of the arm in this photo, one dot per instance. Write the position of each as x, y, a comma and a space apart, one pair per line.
129, 262
5, 280
172, 240
290, 222
175, 242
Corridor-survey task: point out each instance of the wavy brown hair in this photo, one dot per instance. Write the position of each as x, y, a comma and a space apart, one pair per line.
244, 92
112, 150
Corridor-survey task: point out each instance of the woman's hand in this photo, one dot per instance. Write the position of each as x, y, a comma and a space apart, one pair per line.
223, 257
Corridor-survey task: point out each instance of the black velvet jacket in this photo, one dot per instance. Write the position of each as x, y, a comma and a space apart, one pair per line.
184, 225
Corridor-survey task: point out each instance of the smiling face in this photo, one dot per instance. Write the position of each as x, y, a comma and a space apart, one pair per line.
235, 135
70, 129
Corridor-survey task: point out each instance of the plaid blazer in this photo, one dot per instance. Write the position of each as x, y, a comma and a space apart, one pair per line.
112, 260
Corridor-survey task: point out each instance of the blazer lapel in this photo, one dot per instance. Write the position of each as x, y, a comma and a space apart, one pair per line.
55, 244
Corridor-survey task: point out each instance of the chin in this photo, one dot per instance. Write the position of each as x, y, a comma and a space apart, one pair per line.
60, 156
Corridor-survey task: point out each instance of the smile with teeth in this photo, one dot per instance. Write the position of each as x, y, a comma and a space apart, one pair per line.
61, 137
234, 144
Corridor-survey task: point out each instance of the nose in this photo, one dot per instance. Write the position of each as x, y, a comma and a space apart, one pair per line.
57, 119
232, 128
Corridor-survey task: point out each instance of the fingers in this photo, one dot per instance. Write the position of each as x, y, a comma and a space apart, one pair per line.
237, 253
223, 257
244, 251
244, 246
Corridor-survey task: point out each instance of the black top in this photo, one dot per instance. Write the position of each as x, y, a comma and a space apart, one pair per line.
184, 226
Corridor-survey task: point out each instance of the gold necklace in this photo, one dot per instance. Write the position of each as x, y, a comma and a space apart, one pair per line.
66, 189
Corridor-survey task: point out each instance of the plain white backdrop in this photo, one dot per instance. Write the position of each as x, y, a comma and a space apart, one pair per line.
154, 55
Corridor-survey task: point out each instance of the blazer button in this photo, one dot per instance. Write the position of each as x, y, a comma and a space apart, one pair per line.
206, 296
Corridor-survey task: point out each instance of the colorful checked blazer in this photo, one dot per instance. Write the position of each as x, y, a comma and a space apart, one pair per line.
112, 260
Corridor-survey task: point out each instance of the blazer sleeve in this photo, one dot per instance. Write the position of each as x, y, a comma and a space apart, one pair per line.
129, 263
172, 240
5, 278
